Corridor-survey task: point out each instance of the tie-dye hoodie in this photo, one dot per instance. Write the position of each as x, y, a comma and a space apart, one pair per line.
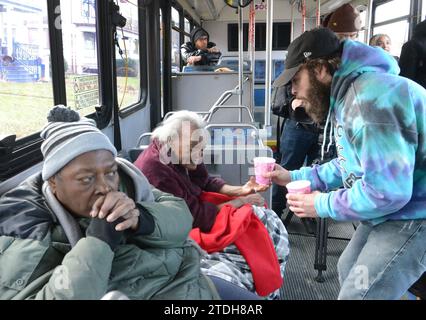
379, 125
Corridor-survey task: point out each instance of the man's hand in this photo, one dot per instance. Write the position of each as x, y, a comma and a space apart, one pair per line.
303, 204
252, 186
279, 176
193, 59
115, 205
213, 50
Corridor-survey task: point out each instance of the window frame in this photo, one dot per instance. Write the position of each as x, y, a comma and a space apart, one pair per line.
25, 152
143, 61
413, 17
233, 45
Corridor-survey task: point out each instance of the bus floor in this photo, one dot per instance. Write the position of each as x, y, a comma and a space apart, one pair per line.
299, 280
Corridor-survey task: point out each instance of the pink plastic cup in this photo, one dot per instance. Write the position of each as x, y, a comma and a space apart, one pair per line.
299, 186
263, 165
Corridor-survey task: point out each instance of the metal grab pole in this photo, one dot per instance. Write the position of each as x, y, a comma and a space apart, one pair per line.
240, 61
369, 21
252, 37
318, 13
292, 23
268, 73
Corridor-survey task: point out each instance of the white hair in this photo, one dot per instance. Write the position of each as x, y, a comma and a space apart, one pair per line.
171, 127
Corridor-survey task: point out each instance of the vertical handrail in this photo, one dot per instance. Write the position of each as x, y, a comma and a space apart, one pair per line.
252, 33
318, 13
268, 73
292, 23
240, 60
369, 19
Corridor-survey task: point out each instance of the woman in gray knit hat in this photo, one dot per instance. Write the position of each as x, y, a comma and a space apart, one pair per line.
90, 223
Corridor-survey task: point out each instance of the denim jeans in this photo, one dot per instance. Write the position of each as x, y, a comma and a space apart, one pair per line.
383, 261
297, 144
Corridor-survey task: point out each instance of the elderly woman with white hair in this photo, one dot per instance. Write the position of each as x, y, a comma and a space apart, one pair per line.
173, 164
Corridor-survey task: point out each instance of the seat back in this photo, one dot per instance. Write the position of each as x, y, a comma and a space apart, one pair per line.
231, 152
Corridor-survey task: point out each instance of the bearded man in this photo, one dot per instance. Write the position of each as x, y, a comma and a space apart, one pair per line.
379, 176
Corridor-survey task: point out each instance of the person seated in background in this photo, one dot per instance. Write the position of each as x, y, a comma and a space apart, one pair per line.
383, 41
413, 56
173, 164
90, 223
345, 22
199, 51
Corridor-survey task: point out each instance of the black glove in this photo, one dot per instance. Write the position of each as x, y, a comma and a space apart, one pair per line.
105, 231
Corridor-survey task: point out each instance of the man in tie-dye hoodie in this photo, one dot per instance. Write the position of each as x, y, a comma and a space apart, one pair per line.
379, 177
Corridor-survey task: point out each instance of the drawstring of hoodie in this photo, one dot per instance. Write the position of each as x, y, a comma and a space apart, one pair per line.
330, 138
330, 143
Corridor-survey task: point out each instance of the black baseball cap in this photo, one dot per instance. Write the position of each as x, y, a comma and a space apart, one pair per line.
316, 43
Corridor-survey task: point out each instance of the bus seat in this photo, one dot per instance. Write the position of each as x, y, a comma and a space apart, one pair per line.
141, 145
133, 153
202, 114
231, 158
198, 68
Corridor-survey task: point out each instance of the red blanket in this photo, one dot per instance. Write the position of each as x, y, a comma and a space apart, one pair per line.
243, 228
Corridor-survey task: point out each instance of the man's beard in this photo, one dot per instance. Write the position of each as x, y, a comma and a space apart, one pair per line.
318, 99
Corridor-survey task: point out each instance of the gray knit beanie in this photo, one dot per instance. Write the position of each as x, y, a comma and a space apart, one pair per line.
66, 136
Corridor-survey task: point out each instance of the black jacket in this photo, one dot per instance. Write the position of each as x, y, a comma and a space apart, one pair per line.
24, 213
188, 50
413, 56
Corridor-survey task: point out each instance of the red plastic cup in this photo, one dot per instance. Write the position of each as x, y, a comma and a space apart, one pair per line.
299, 186
263, 165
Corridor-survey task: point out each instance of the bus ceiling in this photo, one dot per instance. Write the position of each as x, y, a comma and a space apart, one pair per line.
210, 10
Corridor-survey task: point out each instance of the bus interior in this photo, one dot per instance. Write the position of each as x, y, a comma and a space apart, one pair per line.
119, 63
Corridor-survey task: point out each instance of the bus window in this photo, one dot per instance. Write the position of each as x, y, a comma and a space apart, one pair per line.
423, 17
175, 40
26, 92
398, 32
394, 23
386, 11
80, 55
187, 26
128, 63
363, 15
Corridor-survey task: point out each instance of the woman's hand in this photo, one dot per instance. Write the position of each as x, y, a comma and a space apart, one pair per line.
253, 199
115, 205
303, 205
252, 186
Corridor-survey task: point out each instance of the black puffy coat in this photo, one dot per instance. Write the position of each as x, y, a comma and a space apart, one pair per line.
413, 56
189, 49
